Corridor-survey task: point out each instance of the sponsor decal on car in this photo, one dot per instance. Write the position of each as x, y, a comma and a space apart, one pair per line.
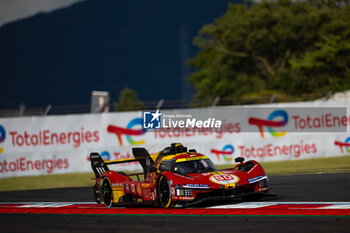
206, 174
198, 186
117, 184
146, 194
186, 198
172, 190
256, 179
139, 190
152, 196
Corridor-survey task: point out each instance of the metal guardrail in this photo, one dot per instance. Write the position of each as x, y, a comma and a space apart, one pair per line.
146, 105
80, 109
41, 111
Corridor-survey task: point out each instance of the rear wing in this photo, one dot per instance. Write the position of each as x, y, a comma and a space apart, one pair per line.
141, 155
97, 164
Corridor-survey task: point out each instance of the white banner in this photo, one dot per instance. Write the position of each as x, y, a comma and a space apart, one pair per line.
62, 144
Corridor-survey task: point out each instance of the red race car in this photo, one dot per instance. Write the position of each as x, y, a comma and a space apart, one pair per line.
175, 177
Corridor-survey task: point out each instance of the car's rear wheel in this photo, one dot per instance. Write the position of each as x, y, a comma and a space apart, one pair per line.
107, 193
163, 191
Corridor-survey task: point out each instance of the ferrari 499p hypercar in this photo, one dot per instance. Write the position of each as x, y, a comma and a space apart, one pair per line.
175, 177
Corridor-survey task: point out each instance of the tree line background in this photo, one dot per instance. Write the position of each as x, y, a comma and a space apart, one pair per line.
299, 50
294, 50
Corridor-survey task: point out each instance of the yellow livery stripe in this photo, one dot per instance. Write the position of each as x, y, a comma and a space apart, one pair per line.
120, 161
191, 159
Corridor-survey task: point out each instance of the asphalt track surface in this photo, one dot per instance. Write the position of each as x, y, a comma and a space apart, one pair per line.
334, 187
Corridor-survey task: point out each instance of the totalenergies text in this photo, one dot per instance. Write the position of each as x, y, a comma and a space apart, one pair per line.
49, 138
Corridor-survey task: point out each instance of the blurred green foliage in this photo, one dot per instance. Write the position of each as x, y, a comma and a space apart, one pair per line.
297, 50
128, 101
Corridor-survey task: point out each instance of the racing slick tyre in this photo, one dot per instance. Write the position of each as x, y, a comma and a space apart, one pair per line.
163, 192
107, 193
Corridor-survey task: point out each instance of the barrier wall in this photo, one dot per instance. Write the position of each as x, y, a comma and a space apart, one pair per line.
62, 144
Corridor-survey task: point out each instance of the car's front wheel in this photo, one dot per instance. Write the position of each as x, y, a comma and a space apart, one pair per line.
163, 192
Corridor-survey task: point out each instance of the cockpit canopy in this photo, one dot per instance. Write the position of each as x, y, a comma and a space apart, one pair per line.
185, 167
196, 166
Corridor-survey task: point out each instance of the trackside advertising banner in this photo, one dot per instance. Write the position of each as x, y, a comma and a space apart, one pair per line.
62, 144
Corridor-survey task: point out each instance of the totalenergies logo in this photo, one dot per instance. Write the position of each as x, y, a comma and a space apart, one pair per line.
105, 155
345, 144
2, 137
270, 123
128, 131
226, 152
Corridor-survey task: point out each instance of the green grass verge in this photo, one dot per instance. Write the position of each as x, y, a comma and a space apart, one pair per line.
47, 181
334, 164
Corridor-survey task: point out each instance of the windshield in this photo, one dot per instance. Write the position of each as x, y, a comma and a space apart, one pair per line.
196, 166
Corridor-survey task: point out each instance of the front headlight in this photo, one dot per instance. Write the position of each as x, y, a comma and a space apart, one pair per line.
184, 192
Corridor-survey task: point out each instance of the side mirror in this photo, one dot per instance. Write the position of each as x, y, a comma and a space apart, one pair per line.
239, 160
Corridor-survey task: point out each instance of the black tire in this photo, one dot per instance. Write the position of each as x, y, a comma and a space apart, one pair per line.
107, 193
163, 192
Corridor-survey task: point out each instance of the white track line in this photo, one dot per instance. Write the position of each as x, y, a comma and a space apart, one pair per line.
334, 207
254, 205
242, 205
48, 203
44, 205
